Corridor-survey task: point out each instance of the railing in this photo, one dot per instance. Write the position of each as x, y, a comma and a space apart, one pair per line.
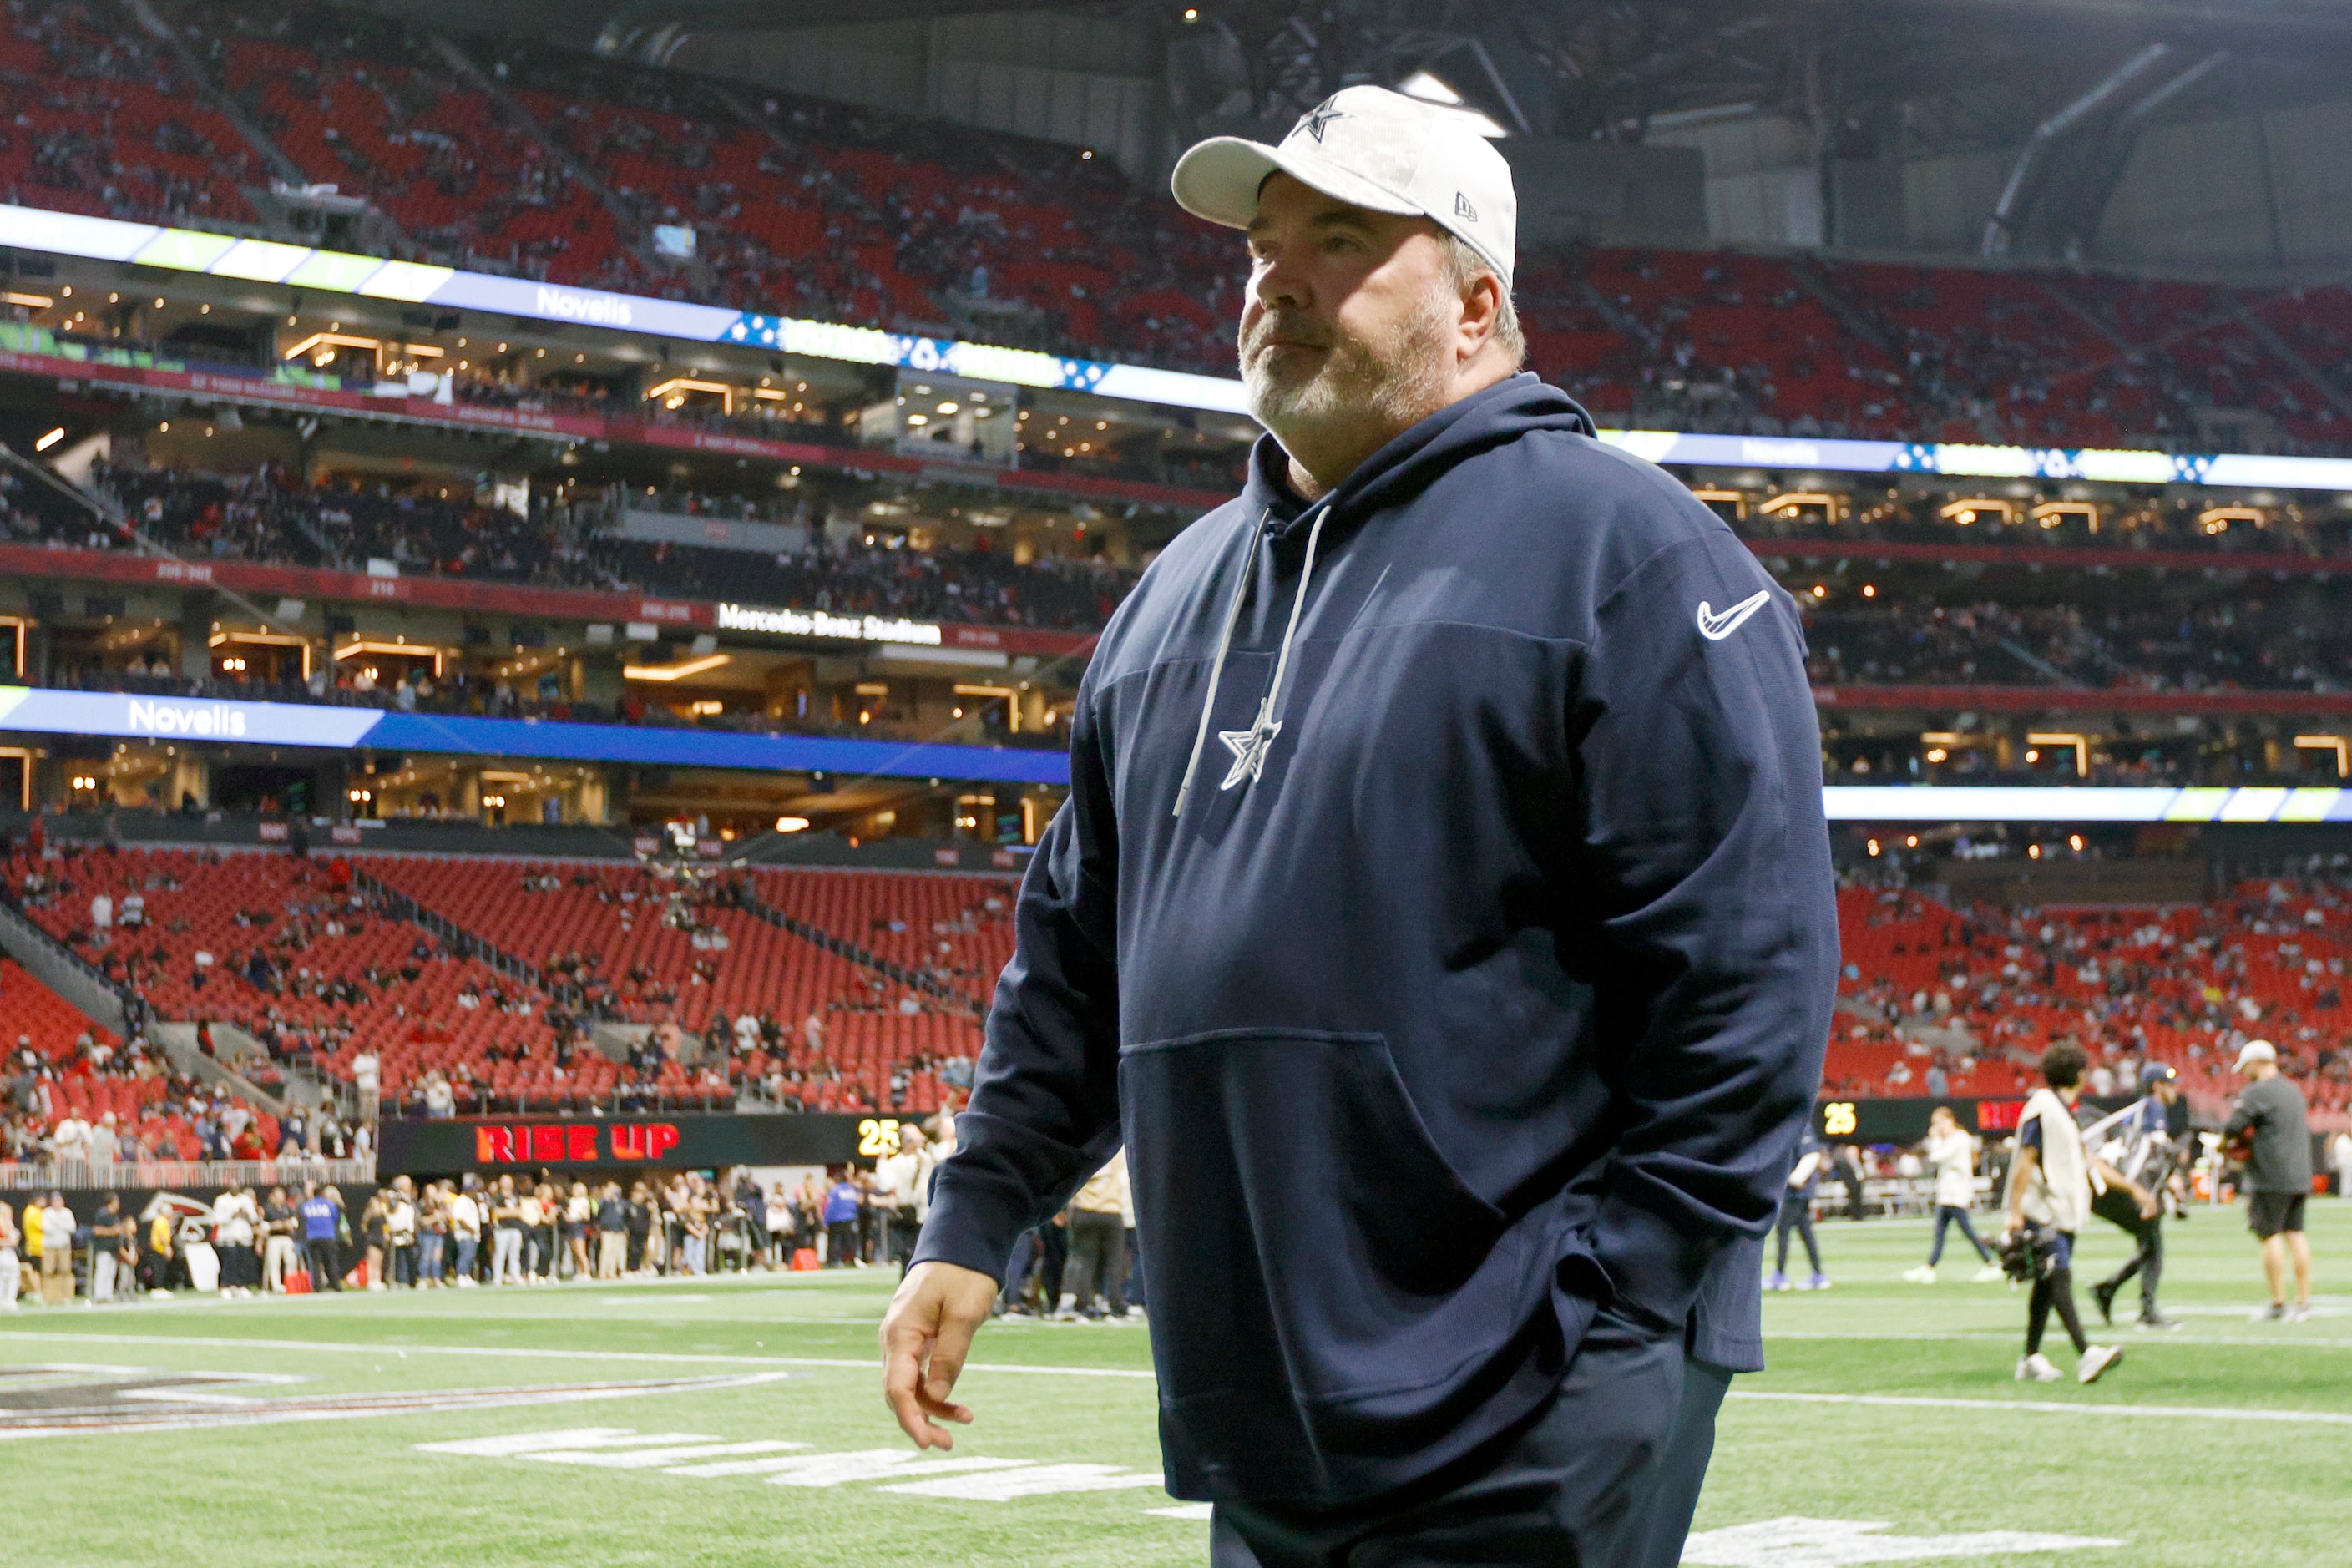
460, 941
83, 1175
753, 904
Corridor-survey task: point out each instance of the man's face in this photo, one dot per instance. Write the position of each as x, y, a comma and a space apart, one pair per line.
1348, 314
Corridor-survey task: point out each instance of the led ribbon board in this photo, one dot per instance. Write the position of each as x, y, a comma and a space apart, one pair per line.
2085, 803
41, 712
416, 283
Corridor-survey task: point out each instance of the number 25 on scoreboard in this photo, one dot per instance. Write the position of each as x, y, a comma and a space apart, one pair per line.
1838, 1118
877, 1137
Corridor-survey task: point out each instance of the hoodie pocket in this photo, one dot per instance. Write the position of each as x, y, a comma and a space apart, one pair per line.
1305, 1238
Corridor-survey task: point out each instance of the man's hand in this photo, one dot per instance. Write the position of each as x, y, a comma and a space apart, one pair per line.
926, 1335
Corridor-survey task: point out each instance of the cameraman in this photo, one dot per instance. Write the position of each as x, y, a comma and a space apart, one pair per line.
2139, 1165
2049, 1199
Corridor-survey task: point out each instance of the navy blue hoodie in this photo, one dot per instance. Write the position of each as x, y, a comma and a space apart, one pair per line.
1481, 984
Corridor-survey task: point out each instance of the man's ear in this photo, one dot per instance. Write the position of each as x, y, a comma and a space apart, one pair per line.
1481, 311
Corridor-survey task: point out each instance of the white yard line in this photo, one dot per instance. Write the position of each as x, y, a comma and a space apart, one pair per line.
501, 1353
2056, 1405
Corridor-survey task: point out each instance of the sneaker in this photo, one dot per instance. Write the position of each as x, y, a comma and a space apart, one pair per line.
1923, 1275
2299, 1313
2273, 1313
2096, 1361
2157, 1323
1818, 1282
2036, 1368
2104, 1293
1779, 1281
1986, 1274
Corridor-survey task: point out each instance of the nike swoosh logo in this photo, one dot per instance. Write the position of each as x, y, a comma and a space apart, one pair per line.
1715, 628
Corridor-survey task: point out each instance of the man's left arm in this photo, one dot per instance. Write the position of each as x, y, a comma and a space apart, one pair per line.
1699, 764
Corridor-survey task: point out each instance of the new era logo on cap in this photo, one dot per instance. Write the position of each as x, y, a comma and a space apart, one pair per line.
1371, 148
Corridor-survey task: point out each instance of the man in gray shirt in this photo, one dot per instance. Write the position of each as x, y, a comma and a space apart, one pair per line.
2271, 1124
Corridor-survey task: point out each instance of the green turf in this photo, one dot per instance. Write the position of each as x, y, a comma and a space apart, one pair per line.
2166, 1466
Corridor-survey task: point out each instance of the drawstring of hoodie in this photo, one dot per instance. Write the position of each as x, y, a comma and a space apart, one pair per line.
1265, 727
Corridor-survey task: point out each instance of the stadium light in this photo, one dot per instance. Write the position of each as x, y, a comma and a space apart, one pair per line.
677, 671
49, 440
792, 823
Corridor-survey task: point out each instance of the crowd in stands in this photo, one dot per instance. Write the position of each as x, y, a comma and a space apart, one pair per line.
2131, 642
550, 164
270, 514
1941, 1001
716, 992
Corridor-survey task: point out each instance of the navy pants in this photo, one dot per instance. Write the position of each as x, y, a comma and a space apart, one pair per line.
1947, 1215
1573, 1486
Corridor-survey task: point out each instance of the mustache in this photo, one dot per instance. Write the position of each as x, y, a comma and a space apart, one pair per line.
1274, 328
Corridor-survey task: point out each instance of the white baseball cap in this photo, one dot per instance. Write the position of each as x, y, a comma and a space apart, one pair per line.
1371, 148
2255, 1051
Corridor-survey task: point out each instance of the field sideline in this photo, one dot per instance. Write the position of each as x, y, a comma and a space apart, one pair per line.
425, 1429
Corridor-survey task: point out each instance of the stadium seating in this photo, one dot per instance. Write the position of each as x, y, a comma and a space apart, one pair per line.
2127, 984
858, 216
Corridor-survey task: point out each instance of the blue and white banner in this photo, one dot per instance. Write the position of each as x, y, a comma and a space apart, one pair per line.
40, 712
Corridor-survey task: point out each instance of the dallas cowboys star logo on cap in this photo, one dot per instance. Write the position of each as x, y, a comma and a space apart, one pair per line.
1316, 118
1249, 748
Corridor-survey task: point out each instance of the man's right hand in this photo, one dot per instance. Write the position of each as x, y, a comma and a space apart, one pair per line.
926, 1335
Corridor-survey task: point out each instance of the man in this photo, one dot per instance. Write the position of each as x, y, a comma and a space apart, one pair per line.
506, 1233
11, 1270
1098, 1243
1951, 1154
367, 1081
612, 1232
108, 1234
321, 1220
2137, 1169
465, 1232
56, 1252
2049, 1199
279, 1252
1441, 916
903, 1181
2272, 1123
1797, 1214
400, 1231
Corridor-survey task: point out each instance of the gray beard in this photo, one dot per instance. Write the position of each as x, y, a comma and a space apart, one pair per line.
1396, 383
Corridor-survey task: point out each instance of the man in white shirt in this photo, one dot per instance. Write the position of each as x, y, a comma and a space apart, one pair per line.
56, 1252
2339, 1158
400, 1231
103, 1145
235, 1217
365, 1080
101, 917
1951, 1156
70, 1137
2048, 1200
464, 1234
905, 1180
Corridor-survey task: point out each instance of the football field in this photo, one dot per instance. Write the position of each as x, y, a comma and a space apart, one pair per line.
738, 1420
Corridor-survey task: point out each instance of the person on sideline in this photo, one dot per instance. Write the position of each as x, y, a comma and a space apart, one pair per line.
1440, 917
56, 1252
1797, 1214
2049, 1199
11, 1278
321, 1220
2133, 1175
2272, 1116
1951, 1154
